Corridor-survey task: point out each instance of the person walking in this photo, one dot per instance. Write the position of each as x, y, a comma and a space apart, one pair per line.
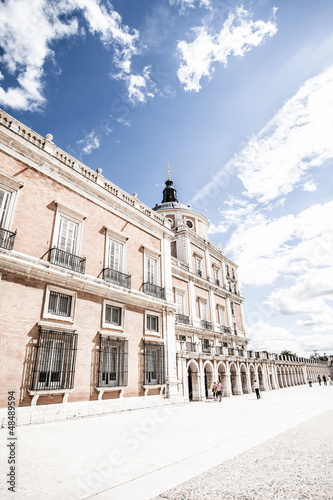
324, 380
256, 387
330, 380
310, 382
214, 390
219, 391
319, 379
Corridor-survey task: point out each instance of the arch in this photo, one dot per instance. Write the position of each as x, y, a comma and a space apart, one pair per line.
193, 380
244, 379
252, 374
280, 377
233, 378
261, 378
222, 375
208, 372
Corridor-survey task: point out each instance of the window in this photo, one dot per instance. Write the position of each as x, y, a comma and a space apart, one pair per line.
113, 315
220, 312
203, 310
206, 343
59, 303
198, 265
180, 303
189, 224
4, 202
55, 360
115, 255
235, 289
216, 276
67, 239
152, 323
154, 363
235, 328
233, 273
151, 270
232, 308
182, 338
113, 362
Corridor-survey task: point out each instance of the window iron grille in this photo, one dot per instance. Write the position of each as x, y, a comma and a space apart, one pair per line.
154, 371
117, 278
67, 260
207, 325
225, 329
7, 239
55, 360
113, 362
191, 346
60, 304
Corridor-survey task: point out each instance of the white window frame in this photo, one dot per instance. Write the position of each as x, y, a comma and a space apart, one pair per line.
159, 319
198, 264
11, 186
111, 326
66, 212
216, 271
221, 314
232, 307
203, 303
149, 253
47, 314
121, 239
235, 330
182, 295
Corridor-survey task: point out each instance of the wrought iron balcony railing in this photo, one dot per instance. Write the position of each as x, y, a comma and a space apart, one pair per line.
207, 349
7, 239
182, 318
154, 290
225, 329
191, 346
207, 325
116, 277
67, 260
231, 351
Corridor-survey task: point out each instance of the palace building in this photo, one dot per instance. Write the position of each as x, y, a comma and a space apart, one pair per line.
107, 304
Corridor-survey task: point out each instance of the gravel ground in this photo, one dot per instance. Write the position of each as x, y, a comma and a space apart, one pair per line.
297, 464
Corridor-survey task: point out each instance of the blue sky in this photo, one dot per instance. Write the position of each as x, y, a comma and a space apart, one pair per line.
238, 96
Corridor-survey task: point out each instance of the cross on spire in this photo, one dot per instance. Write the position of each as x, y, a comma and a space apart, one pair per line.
169, 170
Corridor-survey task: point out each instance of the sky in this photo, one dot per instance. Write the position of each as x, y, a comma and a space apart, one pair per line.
237, 96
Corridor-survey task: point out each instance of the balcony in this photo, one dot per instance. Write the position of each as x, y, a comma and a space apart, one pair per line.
225, 329
154, 290
117, 278
231, 351
67, 260
191, 346
218, 350
199, 273
7, 239
240, 352
257, 354
182, 318
207, 325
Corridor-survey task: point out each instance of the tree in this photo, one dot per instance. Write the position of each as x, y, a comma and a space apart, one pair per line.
288, 353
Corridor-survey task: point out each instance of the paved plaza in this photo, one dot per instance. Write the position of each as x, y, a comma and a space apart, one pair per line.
252, 444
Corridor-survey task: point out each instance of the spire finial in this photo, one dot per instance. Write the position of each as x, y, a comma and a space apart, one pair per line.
169, 170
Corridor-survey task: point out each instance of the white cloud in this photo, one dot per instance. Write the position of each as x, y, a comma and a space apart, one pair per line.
296, 140
276, 339
191, 4
28, 29
309, 186
90, 142
237, 36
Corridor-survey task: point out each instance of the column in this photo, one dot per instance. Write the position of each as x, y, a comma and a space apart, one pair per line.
166, 268
212, 307
170, 353
228, 308
191, 295
208, 268
239, 379
228, 381
202, 392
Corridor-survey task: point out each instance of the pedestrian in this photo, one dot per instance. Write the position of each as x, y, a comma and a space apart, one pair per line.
319, 379
330, 380
310, 382
219, 391
256, 387
214, 391
324, 380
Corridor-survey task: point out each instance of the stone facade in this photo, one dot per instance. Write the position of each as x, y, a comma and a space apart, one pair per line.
103, 298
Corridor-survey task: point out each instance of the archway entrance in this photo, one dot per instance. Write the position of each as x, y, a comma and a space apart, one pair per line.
261, 378
208, 371
223, 379
193, 382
